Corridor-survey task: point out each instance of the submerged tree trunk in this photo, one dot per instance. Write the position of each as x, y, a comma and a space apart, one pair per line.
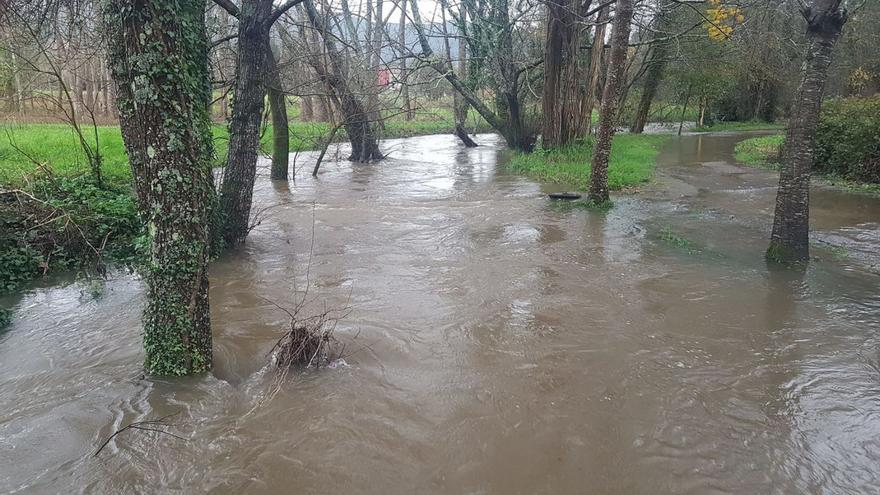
280, 131
248, 102
163, 100
789, 241
610, 100
457, 101
461, 106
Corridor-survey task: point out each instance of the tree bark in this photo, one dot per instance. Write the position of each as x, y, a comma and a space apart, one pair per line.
597, 57
248, 102
280, 131
610, 100
164, 93
789, 241
563, 97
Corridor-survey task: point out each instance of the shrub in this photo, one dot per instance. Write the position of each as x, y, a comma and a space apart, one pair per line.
848, 139
61, 223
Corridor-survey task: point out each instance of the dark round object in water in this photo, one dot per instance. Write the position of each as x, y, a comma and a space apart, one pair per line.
565, 195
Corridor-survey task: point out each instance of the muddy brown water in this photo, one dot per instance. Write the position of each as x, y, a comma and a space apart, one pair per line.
504, 344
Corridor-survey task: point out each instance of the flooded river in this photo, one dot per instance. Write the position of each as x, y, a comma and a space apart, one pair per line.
501, 344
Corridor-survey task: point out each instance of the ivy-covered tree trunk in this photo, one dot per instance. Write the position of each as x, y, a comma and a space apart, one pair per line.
280, 131
158, 55
623, 13
789, 241
248, 102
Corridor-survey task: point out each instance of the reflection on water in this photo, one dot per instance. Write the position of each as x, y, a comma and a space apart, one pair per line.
504, 345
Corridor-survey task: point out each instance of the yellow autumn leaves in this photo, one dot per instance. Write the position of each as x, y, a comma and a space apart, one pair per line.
721, 19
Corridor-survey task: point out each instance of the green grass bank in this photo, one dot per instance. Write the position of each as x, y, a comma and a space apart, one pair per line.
739, 126
56, 147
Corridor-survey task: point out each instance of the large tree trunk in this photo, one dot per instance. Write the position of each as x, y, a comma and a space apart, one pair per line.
789, 241
563, 95
248, 102
553, 60
364, 144
163, 100
597, 71
280, 131
610, 100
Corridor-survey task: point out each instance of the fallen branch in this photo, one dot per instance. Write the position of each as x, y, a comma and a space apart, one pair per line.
154, 425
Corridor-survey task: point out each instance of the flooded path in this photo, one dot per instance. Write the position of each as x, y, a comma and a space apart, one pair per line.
504, 344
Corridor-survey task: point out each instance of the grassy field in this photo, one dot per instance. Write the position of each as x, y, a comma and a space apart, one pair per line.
56, 147
633, 157
739, 126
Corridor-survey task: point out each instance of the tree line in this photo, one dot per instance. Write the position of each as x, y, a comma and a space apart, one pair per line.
534, 71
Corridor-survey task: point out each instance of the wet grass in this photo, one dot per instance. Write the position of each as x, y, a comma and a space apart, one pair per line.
633, 157
740, 126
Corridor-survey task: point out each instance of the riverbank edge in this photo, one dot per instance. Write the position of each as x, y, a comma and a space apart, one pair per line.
763, 152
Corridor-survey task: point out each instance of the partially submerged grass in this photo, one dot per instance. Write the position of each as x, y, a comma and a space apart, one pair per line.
581, 204
675, 240
753, 125
764, 152
760, 151
633, 157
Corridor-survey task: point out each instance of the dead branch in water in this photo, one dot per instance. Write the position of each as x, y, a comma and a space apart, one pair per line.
154, 425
